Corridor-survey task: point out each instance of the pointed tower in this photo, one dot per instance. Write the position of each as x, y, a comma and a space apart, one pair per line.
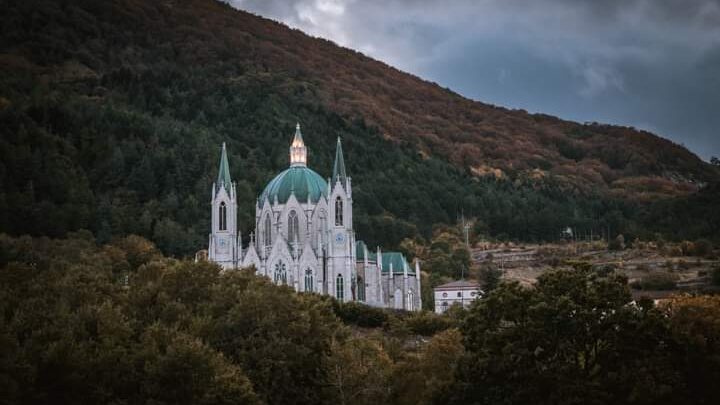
224, 246
339, 166
340, 191
341, 250
298, 151
223, 178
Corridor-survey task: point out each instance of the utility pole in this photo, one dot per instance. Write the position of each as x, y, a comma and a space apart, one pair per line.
466, 229
467, 239
608, 234
574, 240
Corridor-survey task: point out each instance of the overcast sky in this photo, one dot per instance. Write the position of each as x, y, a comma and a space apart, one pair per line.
652, 64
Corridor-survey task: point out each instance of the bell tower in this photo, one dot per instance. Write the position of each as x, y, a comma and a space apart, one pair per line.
224, 244
341, 249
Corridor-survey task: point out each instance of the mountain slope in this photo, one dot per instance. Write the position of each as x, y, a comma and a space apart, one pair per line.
470, 134
437, 121
112, 113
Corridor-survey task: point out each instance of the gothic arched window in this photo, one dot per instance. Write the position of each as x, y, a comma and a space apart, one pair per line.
339, 288
280, 274
222, 217
361, 289
293, 227
410, 303
309, 280
338, 212
267, 231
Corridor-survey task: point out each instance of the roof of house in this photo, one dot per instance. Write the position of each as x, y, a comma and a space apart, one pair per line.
459, 284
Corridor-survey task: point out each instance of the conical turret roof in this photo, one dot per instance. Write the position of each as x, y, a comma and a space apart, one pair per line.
339, 166
224, 171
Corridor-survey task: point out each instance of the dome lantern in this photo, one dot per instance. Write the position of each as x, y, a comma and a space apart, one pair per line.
297, 180
298, 151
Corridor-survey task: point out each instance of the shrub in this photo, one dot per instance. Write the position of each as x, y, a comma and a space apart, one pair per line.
675, 251
395, 326
659, 241
687, 248
643, 267
360, 314
456, 313
658, 281
715, 275
427, 323
617, 244
605, 269
702, 247
139, 250
553, 261
489, 276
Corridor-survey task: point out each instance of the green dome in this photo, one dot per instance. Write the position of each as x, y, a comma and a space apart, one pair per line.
299, 180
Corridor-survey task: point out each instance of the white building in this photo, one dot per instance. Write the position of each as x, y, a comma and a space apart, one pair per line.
457, 292
305, 237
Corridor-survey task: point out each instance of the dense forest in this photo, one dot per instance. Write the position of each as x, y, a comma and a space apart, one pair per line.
112, 114
119, 323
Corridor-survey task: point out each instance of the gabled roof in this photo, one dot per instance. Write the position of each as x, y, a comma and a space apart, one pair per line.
459, 284
360, 252
360, 247
398, 262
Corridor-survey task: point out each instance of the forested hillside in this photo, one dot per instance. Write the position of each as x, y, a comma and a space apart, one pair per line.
112, 114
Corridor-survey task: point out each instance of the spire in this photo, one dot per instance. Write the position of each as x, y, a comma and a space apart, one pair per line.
339, 166
298, 151
224, 171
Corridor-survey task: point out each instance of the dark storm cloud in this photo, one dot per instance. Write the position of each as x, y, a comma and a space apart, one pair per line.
653, 64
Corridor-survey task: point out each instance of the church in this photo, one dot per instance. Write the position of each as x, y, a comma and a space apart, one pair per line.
304, 237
